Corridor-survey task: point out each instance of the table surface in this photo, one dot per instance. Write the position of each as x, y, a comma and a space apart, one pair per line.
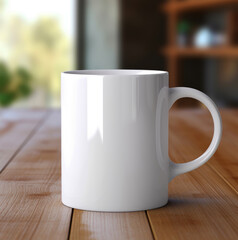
203, 204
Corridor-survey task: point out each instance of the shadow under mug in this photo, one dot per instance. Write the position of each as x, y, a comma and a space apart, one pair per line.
115, 138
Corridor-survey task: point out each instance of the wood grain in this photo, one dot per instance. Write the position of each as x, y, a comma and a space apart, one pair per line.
116, 226
221, 52
201, 204
197, 124
30, 202
15, 128
195, 5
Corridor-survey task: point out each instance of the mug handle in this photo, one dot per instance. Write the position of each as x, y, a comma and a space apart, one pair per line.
182, 92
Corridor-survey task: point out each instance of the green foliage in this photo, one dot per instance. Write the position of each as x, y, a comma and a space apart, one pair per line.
13, 85
6, 98
24, 85
43, 47
4, 77
184, 27
47, 32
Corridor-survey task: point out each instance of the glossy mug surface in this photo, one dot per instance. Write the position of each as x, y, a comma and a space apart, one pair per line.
115, 138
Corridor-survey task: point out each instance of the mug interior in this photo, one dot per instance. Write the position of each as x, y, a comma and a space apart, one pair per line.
116, 72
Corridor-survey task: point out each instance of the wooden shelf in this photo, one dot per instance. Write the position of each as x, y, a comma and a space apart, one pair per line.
189, 5
201, 52
173, 9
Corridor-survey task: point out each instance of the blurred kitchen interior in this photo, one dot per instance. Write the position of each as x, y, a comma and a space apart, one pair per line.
195, 40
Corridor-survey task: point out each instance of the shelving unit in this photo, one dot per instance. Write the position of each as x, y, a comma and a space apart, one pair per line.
176, 8
201, 52
195, 5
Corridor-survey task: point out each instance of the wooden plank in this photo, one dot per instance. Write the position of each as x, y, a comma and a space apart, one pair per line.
201, 204
101, 225
30, 199
195, 5
225, 160
201, 52
15, 128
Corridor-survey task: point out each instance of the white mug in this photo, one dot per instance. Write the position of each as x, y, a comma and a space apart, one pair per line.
115, 138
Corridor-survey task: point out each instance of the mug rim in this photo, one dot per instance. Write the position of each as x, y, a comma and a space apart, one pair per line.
116, 72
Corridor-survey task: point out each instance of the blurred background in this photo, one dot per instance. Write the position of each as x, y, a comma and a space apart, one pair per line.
195, 40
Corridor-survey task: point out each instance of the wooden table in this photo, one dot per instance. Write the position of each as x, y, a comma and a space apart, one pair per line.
203, 204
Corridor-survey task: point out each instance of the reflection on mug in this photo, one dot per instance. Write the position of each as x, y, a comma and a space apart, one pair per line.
161, 129
95, 107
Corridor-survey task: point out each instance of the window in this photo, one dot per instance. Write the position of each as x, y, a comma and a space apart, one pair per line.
37, 40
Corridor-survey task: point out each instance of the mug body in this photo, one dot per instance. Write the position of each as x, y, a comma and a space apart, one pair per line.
114, 139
